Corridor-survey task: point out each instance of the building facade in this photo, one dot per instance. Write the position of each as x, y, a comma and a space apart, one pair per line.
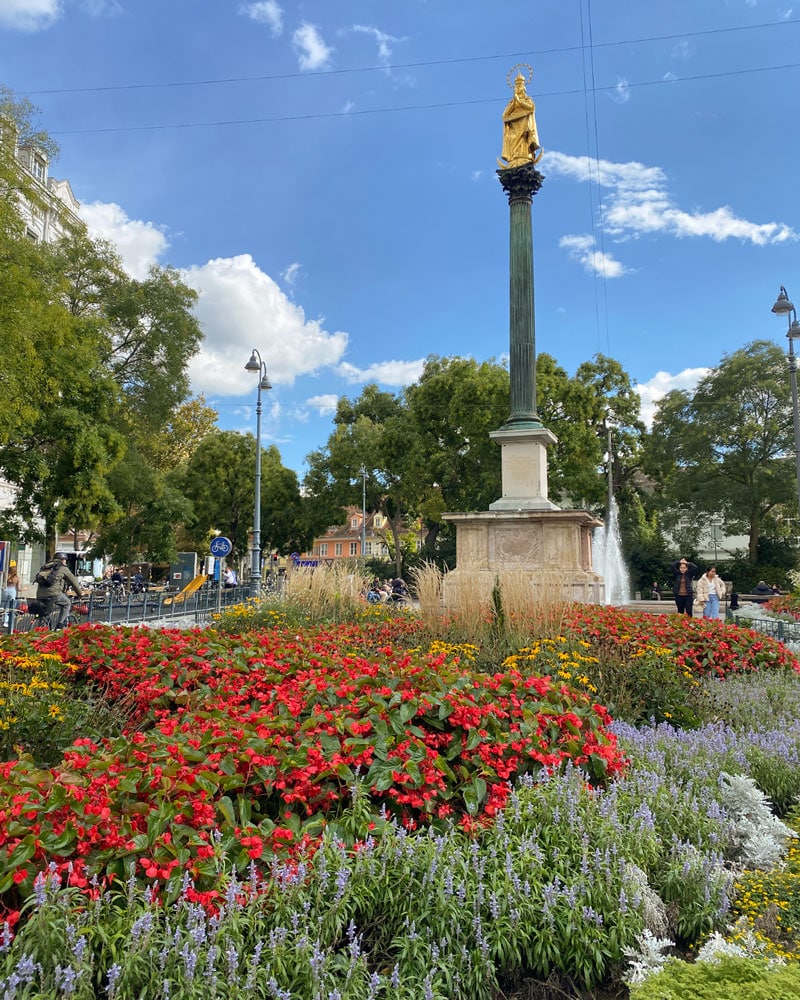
343, 541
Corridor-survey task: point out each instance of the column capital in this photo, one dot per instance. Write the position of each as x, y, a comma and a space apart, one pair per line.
520, 183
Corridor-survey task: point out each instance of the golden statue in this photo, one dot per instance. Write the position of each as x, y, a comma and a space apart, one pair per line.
520, 138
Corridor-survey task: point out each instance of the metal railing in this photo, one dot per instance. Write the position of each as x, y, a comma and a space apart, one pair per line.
776, 628
146, 607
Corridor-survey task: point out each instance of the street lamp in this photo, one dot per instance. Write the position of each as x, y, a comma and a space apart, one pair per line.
784, 307
363, 473
716, 522
255, 364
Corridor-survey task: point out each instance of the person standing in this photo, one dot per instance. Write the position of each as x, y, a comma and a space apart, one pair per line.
11, 589
683, 572
710, 590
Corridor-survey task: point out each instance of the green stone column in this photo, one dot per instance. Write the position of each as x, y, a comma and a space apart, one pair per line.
521, 184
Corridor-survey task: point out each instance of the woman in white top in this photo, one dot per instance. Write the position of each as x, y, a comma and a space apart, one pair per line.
710, 588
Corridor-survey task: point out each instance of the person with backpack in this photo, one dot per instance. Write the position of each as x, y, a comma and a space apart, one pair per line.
52, 582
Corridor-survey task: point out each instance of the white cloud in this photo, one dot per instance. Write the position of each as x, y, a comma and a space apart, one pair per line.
29, 15
682, 50
290, 274
476, 175
582, 248
312, 51
140, 244
267, 12
98, 8
621, 94
239, 308
384, 372
383, 41
663, 382
326, 403
637, 202
347, 107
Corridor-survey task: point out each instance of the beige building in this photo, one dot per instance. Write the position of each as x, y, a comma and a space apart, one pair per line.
343, 541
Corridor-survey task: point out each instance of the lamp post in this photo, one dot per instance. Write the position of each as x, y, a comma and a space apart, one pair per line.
255, 364
363, 473
715, 522
784, 307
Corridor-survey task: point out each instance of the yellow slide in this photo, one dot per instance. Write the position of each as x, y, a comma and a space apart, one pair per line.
190, 588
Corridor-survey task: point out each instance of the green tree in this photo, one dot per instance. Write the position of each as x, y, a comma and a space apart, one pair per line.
149, 510
728, 447
452, 410
183, 431
219, 480
372, 432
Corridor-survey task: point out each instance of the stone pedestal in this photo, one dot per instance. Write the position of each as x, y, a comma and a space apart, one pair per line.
551, 544
524, 468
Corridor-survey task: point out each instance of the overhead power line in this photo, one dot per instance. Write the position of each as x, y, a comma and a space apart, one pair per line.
413, 107
411, 65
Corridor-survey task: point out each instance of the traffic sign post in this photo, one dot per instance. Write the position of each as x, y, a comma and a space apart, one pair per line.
220, 547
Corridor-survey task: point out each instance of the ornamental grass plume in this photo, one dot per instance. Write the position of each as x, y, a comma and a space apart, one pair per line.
520, 607
326, 593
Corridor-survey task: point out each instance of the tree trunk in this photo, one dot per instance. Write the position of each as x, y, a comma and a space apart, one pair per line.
431, 534
752, 545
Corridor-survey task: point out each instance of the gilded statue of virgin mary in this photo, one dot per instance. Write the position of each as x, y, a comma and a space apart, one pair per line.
520, 138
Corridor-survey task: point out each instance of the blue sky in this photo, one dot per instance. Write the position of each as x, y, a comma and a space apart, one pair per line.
323, 174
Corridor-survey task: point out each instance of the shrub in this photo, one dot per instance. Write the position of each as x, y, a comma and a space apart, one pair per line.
44, 707
729, 979
637, 683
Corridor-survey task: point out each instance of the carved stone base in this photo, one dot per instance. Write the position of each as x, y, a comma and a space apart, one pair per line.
556, 544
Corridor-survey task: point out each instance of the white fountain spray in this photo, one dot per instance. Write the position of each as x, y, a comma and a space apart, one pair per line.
607, 558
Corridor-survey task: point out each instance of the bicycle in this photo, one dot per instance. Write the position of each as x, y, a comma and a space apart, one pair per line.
41, 614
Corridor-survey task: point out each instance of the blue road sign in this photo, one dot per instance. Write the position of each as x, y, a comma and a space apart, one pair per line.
220, 546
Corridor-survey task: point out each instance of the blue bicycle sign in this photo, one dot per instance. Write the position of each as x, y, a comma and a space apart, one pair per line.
220, 546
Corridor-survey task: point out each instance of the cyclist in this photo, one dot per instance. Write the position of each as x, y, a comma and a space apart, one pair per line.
52, 581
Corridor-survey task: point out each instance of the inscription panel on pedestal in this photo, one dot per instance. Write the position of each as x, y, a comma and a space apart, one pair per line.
563, 546
518, 545
471, 544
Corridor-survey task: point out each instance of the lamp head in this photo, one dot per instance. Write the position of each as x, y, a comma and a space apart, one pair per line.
783, 305
794, 330
254, 364
265, 383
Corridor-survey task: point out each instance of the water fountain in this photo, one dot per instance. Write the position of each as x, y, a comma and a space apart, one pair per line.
607, 558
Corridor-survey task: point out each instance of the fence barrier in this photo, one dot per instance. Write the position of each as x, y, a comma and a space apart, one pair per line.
144, 607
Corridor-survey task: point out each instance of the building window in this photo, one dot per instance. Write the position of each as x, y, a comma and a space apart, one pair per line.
369, 549
32, 236
337, 549
323, 549
419, 545
38, 168
353, 548
379, 520
354, 522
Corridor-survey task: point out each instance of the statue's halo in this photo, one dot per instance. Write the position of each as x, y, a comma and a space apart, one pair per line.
526, 66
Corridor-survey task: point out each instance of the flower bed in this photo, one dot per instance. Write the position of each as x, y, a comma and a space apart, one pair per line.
248, 746
701, 646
